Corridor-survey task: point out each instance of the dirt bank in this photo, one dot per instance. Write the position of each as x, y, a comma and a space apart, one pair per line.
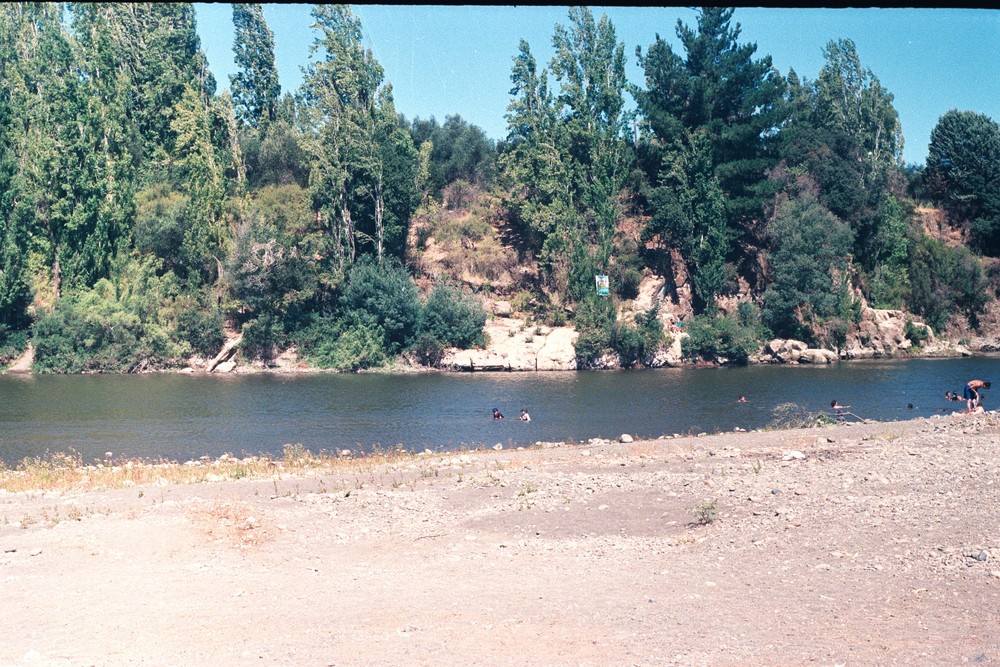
863, 544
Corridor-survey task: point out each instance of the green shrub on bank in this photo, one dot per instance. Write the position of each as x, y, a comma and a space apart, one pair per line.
382, 294
94, 332
351, 347
724, 338
452, 318
600, 333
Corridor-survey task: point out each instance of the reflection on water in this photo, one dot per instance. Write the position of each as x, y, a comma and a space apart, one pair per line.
181, 416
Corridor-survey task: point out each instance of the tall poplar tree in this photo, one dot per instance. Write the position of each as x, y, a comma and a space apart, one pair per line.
568, 159
353, 122
254, 86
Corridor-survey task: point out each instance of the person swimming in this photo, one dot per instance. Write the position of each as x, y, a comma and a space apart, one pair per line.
496, 414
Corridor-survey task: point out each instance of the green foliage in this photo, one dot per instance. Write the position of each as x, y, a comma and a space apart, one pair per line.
459, 151
356, 346
810, 255
720, 339
945, 281
720, 92
567, 160
917, 333
705, 513
963, 172
594, 323
263, 336
198, 325
689, 214
383, 294
12, 344
254, 86
95, 331
601, 334
451, 318
634, 344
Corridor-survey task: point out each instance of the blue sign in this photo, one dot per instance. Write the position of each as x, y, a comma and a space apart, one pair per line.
602, 286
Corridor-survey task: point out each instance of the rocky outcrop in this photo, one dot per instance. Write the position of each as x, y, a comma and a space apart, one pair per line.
516, 346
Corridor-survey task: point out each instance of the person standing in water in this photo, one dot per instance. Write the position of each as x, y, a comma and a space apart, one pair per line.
525, 417
972, 393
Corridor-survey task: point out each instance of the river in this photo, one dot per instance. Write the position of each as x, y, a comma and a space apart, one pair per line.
182, 417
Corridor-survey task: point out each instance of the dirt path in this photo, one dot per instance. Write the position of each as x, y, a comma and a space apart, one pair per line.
881, 546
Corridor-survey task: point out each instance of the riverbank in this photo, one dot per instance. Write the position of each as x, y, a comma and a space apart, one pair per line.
858, 544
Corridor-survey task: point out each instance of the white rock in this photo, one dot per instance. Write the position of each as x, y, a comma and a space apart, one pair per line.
794, 454
625, 438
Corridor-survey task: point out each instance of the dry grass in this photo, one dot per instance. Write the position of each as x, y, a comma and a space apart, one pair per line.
68, 471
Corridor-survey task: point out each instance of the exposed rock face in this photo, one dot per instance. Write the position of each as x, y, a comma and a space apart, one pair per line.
25, 362
514, 346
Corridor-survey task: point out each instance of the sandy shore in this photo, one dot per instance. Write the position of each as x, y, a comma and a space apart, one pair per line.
862, 544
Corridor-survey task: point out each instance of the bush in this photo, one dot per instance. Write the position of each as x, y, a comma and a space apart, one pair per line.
720, 339
383, 295
12, 344
358, 346
94, 332
262, 337
634, 343
595, 321
198, 326
944, 280
917, 333
452, 318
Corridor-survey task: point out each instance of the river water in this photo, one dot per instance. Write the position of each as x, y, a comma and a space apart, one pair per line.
182, 417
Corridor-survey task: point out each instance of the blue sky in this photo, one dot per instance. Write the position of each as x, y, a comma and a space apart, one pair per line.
455, 59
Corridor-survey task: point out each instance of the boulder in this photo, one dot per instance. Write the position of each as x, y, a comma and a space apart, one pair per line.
502, 308
817, 356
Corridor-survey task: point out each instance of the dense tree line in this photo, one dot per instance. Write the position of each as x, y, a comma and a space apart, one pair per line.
143, 215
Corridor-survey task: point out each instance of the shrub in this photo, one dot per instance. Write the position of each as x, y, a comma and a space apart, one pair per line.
93, 331
383, 295
452, 318
720, 338
917, 333
198, 326
634, 343
12, 344
262, 337
358, 346
944, 280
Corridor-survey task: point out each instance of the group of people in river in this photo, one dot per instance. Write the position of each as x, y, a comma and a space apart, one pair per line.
525, 417
972, 394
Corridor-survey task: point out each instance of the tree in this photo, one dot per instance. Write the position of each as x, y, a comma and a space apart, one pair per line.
459, 151
689, 214
382, 294
809, 268
568, 160
354, 123
254, 86
844, 136
718, 89
963, 172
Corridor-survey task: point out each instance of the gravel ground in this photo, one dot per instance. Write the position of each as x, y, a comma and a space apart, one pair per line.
860, 544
